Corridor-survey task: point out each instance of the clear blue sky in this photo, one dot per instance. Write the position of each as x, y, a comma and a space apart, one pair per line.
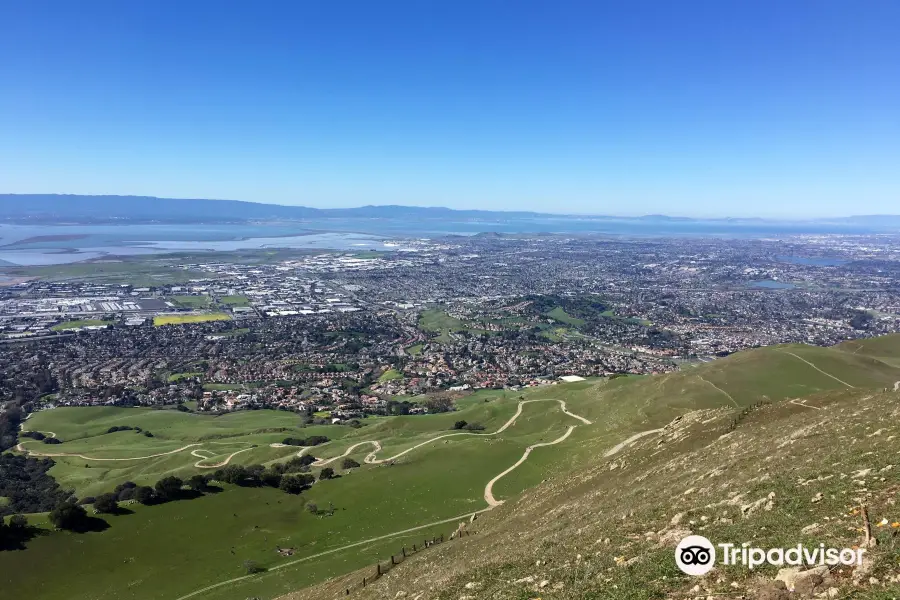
721, 107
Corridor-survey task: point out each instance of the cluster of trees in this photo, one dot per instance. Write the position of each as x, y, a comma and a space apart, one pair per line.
313, 440
463, 425
12, 534
292, 476
27, 486
37, 435
123, 428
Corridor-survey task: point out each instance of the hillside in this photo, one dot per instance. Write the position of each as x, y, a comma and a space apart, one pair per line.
771, 473
554, 472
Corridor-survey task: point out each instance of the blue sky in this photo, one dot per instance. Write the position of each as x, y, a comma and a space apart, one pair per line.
764, 108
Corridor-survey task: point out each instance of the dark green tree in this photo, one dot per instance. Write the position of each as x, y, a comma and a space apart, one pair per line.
107, 503
68, 516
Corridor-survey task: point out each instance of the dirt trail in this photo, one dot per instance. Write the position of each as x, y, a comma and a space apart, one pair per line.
489, 498
373, 460
720, 390
817, 368
20, 448
195, 453
803, 403
622, 445
897, 386
219, 464
332, 551
489, 488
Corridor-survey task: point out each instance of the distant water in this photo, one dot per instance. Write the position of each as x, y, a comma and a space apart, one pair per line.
59, 244
62, 244
772, 284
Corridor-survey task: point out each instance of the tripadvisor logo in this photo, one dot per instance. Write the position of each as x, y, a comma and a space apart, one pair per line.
696, 555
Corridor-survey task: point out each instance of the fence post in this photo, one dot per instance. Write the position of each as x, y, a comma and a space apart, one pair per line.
378, 568
403, 550
414, 548
364, 582
392, 560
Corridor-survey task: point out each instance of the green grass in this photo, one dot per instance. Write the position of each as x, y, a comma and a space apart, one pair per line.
222, 387
444, 479
81, 323
415, 349
438, 321
562, 316
174, 377
390, 375
235, 300
139, 272
191, 301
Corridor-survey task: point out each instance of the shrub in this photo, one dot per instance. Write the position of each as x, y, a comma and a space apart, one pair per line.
18, 522
294, 484
168, 488
349, 463
326, 473
68, 516
251, 567
107, 503
144, 494
459, 425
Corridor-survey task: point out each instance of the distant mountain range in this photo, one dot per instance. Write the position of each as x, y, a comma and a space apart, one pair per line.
66, 207
69, 208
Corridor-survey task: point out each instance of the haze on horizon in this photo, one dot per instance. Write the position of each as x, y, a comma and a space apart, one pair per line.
764, 109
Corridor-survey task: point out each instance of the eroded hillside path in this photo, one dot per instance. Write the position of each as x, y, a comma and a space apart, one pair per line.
817, 368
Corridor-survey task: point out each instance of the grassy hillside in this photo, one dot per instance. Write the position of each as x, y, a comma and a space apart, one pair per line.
561, 502
782, 474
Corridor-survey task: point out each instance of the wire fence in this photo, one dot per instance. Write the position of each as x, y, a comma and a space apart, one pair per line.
381, 568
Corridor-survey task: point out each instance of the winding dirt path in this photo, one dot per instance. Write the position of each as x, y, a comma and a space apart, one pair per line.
817, 368
489, 488
219, 464
199, 464
489, 498
373, 460
21, 448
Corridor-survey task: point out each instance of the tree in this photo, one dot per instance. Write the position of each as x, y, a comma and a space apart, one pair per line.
144, 494
292, 484
18, 522
125, 491
314, 509
197, 483
349, 463
68, 516
459, 424
107, 503
169, 487
326, 473
271, 478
